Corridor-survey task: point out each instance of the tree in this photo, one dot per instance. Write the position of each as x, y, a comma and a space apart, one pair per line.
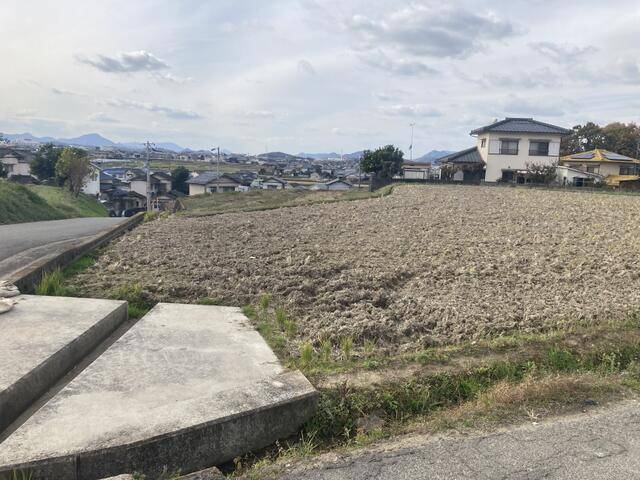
616, 137
3, 171
72, 168
44, 162
542, 173
383, 163
179, 177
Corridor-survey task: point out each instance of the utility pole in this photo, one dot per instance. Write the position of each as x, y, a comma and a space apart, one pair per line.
411, 145
148, 178
218, 161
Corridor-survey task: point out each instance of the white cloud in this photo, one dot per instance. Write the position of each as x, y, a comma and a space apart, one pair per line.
435, 31
102, 117
169, 112
127, 62
306, 67
418, 110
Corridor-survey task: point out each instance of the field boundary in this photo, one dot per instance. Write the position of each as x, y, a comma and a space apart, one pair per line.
26, 278
384, 191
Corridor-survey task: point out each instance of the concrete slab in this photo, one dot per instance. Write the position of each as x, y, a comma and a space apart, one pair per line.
43, 338
187, 387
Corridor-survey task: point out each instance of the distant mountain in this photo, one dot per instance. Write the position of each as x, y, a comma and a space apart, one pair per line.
26, 137
89, 140
433, 156
278, 157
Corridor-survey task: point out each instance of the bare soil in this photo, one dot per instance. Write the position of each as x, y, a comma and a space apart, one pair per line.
426, 265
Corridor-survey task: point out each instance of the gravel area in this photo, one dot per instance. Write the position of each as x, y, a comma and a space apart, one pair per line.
426, 265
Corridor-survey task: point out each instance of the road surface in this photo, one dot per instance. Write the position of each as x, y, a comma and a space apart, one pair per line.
596, 445
22, 244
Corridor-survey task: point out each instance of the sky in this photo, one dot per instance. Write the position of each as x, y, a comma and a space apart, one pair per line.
313, 75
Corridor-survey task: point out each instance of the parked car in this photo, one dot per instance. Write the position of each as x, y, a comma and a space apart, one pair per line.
130, 212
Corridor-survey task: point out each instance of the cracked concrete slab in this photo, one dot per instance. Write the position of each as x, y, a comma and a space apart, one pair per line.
187, 387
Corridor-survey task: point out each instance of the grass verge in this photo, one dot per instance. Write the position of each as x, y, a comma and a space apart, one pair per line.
20, 203
494, 382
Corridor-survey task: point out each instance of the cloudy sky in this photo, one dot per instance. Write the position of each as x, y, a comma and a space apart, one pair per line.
313, 75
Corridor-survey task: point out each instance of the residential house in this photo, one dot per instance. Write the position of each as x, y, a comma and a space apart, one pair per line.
159, 182
16, 162
416, 171
465, 166
211, 182
506, 147
269, 183
608, 164
336, 184
92, 181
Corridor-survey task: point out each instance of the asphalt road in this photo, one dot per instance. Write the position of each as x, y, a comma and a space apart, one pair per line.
24, 243
595, 445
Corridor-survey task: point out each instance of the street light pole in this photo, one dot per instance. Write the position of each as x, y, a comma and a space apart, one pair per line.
411, 145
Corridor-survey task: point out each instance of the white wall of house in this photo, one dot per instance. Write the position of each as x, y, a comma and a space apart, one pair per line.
493, 149
92, 182
14, 167
196, 189
567, 175
603, 168
139, 186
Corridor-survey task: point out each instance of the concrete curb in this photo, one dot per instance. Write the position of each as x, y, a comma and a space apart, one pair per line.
28, 277
190, 449
22, 394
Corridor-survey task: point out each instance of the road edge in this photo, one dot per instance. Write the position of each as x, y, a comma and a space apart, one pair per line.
26, 278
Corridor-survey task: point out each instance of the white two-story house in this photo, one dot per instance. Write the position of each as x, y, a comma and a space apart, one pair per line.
504, 148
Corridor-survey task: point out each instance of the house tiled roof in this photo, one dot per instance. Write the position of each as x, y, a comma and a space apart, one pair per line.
470, 155
521, 125
208, 177
598, 155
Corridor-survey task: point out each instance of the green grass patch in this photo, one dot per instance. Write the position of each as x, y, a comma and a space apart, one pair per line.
33, 203
209, 301
52, 284
139, 302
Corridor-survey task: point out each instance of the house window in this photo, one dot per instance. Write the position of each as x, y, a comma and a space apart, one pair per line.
509, 146
483, 143
593, 168
628, 170
539, 148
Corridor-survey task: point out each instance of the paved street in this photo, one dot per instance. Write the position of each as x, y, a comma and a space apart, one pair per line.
597, 445
24, 243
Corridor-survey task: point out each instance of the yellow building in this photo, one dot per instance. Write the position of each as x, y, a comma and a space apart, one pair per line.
614, 167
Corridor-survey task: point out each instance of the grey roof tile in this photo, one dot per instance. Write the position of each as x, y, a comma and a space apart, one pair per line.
521, 125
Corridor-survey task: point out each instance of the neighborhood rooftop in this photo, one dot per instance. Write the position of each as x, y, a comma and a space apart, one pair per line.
470, 155
521, 125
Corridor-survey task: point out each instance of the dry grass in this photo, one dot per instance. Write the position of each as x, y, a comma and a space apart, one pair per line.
534, 399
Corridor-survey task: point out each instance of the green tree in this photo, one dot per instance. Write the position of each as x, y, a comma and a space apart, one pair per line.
179, 177
622, 138
72, 168
617, 137
383, 163
44, 162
